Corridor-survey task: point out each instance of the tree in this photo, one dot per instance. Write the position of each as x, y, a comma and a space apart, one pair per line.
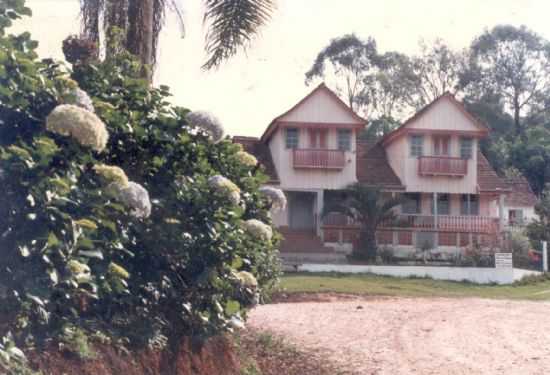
231, 24
351, 61
514, 64
435, 71
368, 207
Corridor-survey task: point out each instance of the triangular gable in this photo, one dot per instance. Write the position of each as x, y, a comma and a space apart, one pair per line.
455, 119
335, 112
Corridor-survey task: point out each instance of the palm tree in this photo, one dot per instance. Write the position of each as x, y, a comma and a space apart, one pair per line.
368, 207
231, 24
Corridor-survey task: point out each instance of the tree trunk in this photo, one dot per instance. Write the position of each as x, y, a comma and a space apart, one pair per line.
141, 33
517, 123
367, 244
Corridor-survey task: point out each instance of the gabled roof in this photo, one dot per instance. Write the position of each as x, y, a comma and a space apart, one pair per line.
261, 151
487, 179
322, 87
373, 167
483, 129
521, 195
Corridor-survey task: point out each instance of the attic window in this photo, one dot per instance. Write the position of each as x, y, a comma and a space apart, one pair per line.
417, 145
344, 139
466, 148
292, 138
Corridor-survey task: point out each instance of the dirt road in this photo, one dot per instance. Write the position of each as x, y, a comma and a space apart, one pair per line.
418, 336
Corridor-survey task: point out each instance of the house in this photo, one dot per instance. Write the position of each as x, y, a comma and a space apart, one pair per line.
453, 197
519, 205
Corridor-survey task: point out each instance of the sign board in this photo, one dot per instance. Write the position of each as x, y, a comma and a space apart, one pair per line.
503, 260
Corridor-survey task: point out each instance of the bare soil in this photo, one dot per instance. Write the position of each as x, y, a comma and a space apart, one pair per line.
416, 335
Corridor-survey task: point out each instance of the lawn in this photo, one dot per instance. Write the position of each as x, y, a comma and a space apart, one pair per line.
371, 285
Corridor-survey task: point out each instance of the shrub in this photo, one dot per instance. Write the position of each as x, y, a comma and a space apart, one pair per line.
121, 233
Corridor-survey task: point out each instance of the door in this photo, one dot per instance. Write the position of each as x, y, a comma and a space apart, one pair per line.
301, 215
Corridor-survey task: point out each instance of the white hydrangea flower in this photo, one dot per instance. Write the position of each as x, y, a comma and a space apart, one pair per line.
207, 122
258, 229
247, 159
236, 322
135, 197
247, 279
225, 186
80, 271
82, 99
275, 196
112, 174
83, 125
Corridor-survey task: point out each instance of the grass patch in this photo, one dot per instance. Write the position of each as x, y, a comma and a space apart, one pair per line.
372, 285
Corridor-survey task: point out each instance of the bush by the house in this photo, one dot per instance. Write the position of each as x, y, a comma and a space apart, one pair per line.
110, 227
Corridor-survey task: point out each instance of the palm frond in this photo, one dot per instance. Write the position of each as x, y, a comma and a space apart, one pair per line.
231, 25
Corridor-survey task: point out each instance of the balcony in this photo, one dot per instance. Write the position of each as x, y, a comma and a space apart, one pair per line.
442, 166
444, 223
451, 223
318, 159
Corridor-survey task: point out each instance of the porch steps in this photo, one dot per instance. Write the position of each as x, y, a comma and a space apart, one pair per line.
302, 242
300, 247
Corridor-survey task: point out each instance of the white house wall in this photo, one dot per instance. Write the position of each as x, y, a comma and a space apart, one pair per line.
319, 108
296, 179
443, 116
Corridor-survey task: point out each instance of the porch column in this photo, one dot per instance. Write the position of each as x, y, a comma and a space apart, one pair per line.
320, 206
501, 212
436, 235
469, 212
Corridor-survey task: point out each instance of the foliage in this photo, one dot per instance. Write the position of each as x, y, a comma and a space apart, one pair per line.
519, 242
368, 207
80, 253
231, 24
352, 61
538, 229
513, 63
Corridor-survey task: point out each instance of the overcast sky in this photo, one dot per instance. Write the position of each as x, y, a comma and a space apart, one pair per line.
253, 88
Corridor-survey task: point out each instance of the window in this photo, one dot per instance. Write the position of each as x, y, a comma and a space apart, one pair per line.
469, 209
292, 138
515, 217
441, 145
466, 148
411, 205
344, 139
417, 145
443, 206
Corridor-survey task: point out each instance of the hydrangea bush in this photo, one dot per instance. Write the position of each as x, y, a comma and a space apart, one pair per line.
119, 214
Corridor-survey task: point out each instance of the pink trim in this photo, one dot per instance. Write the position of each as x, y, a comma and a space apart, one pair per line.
442, 166
318, 159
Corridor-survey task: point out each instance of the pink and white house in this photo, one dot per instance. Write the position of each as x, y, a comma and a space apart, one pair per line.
453, 196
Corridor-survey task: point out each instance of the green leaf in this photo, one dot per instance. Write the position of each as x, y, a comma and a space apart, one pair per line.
232, 307
52, 240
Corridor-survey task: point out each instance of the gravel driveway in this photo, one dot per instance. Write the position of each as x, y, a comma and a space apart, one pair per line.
417, 335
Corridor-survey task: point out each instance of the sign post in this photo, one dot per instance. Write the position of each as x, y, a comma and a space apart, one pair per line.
503, 260
544, 256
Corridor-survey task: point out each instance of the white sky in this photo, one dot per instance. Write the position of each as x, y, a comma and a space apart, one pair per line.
247, 92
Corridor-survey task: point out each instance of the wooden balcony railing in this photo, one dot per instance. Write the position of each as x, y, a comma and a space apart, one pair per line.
318, 159
442, 166
451, 223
